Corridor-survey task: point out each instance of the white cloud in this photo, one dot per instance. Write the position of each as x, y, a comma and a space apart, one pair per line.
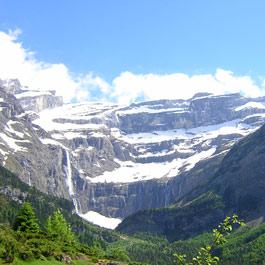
18, 62
128, 86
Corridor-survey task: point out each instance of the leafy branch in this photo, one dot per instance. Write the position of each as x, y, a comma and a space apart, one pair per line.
205, 256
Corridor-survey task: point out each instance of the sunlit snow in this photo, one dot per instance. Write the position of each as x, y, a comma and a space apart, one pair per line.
251, 105
101, 220
13, 143
130, 171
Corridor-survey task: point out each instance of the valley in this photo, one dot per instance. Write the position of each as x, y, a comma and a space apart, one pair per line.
166, 171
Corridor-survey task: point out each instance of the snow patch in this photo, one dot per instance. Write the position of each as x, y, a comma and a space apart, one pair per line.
12, 143
130, 171
146, 109
52, 142
251, 105
101, 220
73, 135
206, 132
10, 129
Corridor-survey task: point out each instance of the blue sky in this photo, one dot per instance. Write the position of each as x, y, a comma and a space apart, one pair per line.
159, 37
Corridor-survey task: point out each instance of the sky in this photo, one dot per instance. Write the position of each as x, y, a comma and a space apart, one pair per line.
126, 51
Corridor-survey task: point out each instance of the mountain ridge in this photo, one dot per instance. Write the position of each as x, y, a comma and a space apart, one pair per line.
117, 160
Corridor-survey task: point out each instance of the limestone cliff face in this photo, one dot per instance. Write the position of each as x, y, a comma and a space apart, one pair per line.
11, 86
23, 152
124, 199
117, 160
38, 103
235, 185
31, 100
180, 114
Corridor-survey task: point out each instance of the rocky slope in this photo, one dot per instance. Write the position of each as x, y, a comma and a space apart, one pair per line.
22, 151
237, 186
116, 160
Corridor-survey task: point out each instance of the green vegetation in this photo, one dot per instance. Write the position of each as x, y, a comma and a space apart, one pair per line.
13, 192
26, 221
205, 254
244, 246
58, 229
178, 221
53, 234
26, 241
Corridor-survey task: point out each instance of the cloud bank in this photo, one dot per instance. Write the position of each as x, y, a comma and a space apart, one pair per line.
18, 62
128, 86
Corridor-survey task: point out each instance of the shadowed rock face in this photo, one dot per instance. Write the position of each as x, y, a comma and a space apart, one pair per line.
122, 159
240, 179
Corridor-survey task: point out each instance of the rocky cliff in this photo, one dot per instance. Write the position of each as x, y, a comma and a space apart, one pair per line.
235, 186
22, 151
116, 160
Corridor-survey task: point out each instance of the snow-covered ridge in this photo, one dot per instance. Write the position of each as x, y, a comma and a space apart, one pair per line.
32, 93
251, 105
186, 146
72, 117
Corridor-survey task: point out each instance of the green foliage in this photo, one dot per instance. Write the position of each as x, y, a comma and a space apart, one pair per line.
117, 252
28, 242
44, 206
8, 244
177, 222
58, 228
26, 220
244, 246
205, 256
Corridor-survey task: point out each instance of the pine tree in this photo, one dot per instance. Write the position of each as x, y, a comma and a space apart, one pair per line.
58, 228
26, 220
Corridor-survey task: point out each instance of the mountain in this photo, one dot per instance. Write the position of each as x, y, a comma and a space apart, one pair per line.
116, 160
21, 148
237, 186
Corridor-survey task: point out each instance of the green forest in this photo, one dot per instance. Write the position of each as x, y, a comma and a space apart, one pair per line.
44, 231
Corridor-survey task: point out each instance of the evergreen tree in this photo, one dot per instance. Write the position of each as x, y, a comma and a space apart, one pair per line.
58, 228
26, 220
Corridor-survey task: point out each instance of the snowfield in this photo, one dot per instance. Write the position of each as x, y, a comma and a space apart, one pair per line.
101, 220
73, 121
130, 171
